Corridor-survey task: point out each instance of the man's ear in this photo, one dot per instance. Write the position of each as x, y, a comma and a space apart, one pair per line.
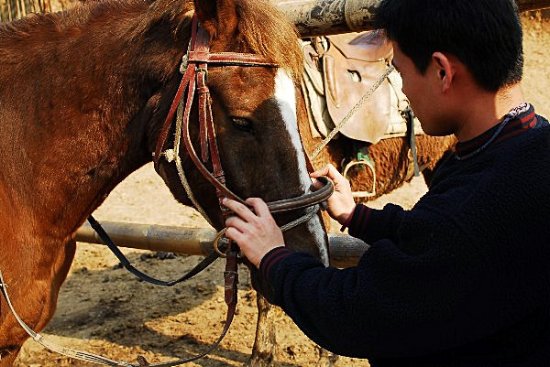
218, 17
444, 69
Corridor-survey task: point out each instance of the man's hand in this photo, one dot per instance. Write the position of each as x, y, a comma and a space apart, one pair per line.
256, 232
341, 203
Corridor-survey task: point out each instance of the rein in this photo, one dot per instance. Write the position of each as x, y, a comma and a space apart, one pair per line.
194, 68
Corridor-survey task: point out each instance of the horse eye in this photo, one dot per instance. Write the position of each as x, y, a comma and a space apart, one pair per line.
242, 124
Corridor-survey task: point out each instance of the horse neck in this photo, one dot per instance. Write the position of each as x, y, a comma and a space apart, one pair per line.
82, 125
309, 141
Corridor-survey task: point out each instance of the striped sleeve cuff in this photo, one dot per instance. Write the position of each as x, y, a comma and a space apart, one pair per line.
271, 258
357, 222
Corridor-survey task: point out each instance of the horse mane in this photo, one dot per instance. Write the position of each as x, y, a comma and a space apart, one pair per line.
273, 37
92, 13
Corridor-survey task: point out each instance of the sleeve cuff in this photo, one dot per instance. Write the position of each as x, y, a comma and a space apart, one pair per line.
347, 222
357, 222
271, 258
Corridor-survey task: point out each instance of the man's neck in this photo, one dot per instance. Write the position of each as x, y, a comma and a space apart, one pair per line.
486, 110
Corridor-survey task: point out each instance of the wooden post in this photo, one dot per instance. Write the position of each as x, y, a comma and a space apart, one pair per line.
345, 250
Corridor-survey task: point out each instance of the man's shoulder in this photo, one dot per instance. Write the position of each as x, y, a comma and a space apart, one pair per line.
540, 132
542, 121
530, 152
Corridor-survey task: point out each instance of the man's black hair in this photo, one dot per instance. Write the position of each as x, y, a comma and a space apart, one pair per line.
485, 35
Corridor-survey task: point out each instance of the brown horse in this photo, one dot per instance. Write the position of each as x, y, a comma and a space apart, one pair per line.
83, 99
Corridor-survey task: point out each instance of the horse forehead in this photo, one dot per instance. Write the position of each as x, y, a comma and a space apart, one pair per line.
285, 92
280, 90
246, 88
285, 96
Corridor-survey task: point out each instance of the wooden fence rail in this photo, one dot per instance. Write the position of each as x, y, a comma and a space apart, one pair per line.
322, 17
14, 9
345, 251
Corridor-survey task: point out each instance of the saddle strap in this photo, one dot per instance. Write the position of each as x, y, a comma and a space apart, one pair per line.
106, 239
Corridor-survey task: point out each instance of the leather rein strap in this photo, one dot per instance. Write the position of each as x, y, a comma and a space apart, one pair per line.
106, 239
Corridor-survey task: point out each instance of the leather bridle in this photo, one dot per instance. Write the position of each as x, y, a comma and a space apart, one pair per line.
195, 70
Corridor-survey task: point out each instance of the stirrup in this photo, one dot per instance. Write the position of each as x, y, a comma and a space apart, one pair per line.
366, 161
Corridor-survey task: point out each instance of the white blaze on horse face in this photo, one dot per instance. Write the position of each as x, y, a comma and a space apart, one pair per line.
285, 94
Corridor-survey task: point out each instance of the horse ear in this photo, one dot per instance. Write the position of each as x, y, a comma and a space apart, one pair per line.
217, 17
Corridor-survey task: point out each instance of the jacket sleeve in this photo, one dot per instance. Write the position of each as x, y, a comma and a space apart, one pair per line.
371, 225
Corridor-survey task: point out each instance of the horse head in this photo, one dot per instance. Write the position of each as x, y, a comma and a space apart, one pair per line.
247, 79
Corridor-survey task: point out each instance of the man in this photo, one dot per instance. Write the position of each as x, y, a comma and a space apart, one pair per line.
462, 279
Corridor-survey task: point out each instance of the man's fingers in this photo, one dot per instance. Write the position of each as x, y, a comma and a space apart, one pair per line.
236, 223
321, 172
333, 172
316, 183
260, 207
234, 234
240, 209
329, 171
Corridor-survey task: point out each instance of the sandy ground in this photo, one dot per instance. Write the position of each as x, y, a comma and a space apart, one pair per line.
104, 309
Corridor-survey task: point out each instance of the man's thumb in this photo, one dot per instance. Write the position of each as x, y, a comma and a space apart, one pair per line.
316, 184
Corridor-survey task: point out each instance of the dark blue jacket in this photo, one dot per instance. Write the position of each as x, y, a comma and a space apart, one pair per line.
462, 279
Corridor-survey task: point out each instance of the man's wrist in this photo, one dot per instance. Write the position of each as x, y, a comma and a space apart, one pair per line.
345, 219
271, 258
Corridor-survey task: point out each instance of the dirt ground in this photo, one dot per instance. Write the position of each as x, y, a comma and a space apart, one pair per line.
103, 309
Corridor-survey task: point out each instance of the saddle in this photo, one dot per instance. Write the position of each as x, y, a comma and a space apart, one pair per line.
339, 70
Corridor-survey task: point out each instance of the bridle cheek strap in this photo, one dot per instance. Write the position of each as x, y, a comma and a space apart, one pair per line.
195, 63
206, 120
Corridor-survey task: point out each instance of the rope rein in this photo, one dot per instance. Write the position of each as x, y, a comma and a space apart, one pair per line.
42, 340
